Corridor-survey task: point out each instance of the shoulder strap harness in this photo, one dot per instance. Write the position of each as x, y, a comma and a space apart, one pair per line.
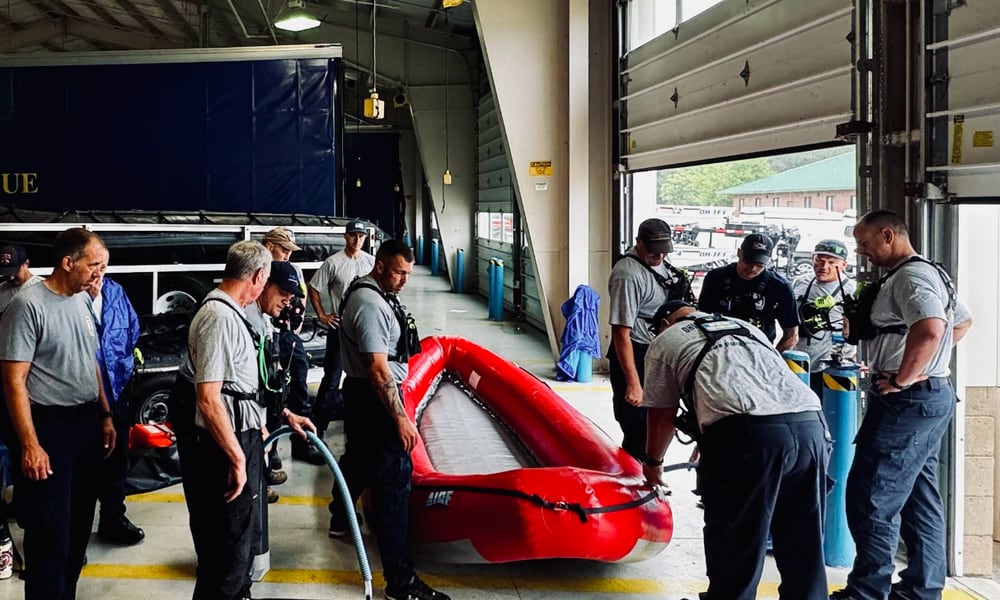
713, 328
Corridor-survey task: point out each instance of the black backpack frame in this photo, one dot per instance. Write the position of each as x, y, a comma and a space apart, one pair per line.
858, 310
714, 328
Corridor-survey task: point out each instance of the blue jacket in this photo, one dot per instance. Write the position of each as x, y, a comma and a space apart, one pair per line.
118, 331
581, 333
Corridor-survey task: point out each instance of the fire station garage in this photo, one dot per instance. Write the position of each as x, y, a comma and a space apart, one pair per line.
515, 146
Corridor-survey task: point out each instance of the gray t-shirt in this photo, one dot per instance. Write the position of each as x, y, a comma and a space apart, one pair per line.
220, 348
8, 290
635, 296
913, 293
368, 326
336, 273
819, 344
57, 335
737, 376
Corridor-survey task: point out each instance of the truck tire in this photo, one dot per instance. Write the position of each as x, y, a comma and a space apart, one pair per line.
181, 292
148, 402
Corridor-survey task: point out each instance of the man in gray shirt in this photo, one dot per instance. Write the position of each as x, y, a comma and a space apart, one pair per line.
763, 449
379, 434
220, 444
892, 485
820, 297
14, 274
59, 414
639, 283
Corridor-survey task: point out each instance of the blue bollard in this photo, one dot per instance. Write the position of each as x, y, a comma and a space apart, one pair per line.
584, 367
840, 405
496, 290
420, 249
434, 256
798, 362
460, 271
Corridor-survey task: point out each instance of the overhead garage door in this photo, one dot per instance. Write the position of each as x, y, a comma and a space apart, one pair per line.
741, 78
497, 227
964, 117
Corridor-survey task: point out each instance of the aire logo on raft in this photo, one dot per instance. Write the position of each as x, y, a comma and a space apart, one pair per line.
442, 498
19, 183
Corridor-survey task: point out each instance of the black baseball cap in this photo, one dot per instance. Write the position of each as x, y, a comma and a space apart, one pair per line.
11, 259
284, 276
356, 227
656, 236
666, 309
757, 248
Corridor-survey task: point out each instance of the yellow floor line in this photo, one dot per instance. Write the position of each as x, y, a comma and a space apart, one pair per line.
608, 585
155, 497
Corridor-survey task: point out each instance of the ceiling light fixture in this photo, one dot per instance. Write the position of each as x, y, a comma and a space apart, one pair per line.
294, 17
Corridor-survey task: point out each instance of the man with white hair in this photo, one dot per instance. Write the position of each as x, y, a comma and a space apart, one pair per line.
219, 426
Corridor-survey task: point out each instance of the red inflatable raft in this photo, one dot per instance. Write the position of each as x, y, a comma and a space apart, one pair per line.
506, 470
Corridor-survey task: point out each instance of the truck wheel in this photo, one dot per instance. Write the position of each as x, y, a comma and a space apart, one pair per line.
149, 401
802, 268
181, 293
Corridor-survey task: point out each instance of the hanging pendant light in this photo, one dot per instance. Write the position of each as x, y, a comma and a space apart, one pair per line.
295, 17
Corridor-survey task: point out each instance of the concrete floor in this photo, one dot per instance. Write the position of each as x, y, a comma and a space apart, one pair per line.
305, 564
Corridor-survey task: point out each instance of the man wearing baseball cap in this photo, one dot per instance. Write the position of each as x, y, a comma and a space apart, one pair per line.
281, 242
282, 238
326, 290
640, 282
762, 443
819, 297
748, 290
14, 274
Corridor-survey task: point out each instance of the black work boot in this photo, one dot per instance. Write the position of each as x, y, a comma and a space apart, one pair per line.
119, 531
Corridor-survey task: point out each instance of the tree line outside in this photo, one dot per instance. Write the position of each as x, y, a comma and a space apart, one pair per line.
700, 185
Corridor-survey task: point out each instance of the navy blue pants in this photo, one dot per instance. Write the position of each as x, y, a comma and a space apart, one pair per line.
374, 459
223, 532
892, 492
759, 475
329, 399
111, 485
57, 513
632, 419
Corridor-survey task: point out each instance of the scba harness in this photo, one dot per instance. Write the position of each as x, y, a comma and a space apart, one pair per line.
678, 289
747, 306
409, 340
815, 314
714, 328
272, 383
858, 310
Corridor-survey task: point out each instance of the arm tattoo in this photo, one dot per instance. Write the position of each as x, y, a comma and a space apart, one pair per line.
390, 397
385, 386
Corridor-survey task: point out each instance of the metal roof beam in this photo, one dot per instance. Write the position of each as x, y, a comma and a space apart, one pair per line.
171, 11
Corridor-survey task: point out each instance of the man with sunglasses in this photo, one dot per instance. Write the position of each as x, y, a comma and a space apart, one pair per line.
641, 281
820, 296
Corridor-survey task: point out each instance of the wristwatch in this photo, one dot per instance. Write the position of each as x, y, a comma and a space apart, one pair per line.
649, 461
893, 383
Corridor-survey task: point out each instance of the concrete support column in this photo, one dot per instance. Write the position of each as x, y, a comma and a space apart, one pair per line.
550, 67
578, 109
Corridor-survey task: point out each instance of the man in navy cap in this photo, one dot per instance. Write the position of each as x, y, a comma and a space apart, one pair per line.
14, 274
326, 290
748, 290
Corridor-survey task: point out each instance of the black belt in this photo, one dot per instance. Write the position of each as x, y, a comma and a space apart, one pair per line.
76, 411
798, 417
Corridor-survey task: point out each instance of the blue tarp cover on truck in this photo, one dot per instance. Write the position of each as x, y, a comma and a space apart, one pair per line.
228, 136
